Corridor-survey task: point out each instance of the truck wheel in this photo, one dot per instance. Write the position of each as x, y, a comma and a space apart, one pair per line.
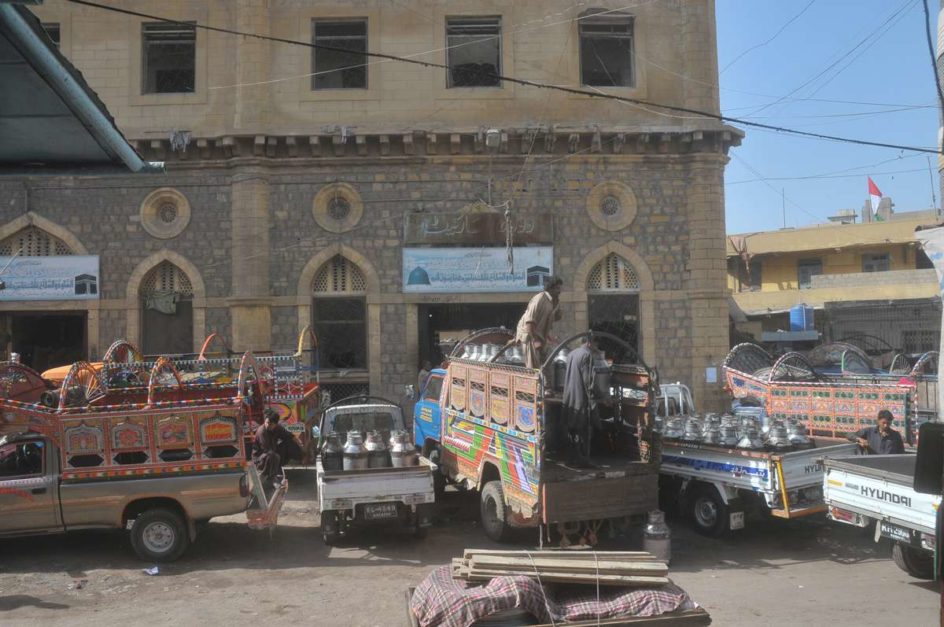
493, 512
709, 512
917, 563
331, 534
159, 535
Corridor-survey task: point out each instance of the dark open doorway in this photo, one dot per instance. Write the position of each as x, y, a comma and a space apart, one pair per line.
47, 340
168, 332
438, 323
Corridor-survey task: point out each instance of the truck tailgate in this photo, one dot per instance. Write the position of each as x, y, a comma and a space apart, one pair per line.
595, 499
879, 487
803, 469
411, 485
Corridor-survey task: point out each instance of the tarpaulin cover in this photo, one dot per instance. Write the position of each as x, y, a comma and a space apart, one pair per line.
442, 600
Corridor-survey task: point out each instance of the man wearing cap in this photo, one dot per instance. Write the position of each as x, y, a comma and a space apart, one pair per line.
881, 439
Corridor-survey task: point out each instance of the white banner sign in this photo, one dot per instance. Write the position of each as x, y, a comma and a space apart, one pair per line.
65, 277
461, 270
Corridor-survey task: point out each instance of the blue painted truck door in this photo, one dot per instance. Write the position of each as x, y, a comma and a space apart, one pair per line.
427, 417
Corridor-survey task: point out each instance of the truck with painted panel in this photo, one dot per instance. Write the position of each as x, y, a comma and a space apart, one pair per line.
878, 490
492, 426
158, 460
715, 486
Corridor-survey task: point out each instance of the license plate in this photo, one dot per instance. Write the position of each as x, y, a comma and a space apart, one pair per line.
380, 511
895, 532
737, 520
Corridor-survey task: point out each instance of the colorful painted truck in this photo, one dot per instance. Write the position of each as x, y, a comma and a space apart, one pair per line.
157, 458
489, 427
834, 390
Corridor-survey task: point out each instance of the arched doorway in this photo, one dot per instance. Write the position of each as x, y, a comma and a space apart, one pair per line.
166, 294
613, 299
49, 336
339, 317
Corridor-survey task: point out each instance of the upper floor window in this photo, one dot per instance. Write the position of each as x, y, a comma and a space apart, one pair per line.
342, 64
876, 262
52, 29
169, 57
606, 50
806, 270
755, 282
473, 51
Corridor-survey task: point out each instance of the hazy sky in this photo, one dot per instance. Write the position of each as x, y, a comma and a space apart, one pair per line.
856, 51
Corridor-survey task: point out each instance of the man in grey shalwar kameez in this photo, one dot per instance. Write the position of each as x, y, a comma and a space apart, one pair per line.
578, 403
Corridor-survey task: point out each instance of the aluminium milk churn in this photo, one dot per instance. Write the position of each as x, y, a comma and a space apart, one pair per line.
657, 538
377, 456
355, 453
331, 452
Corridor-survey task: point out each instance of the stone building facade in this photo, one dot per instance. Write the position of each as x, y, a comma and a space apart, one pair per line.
285, 205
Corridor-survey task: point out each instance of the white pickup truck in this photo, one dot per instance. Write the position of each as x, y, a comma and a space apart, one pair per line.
862, 490
365, 496
717, 484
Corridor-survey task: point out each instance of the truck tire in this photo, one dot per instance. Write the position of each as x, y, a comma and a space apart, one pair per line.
916, 562
331, 538
159, 535
493, 512
709, 512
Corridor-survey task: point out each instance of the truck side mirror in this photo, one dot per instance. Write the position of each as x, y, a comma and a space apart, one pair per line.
409, 391
929, 465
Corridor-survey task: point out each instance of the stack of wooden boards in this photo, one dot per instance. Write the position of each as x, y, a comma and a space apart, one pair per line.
617, 568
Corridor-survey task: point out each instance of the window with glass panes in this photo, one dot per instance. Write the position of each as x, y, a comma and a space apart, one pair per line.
341, 63
169, 58
606, 50
473, 51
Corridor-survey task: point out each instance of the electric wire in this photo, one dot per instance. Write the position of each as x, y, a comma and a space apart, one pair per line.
772, 37
571, 90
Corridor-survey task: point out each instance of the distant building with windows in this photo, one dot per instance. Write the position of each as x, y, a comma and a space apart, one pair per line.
867, 282
301, 180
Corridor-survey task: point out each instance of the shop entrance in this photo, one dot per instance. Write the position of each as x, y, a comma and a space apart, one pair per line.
45, 340
441, 323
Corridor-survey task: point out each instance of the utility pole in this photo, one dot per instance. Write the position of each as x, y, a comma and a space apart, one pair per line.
783, 200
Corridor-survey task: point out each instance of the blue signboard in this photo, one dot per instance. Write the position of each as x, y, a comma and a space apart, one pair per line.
460, 270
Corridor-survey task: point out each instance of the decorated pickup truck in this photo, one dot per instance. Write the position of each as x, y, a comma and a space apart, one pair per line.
158, 457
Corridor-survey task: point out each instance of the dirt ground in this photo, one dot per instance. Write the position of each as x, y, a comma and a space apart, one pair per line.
808, 572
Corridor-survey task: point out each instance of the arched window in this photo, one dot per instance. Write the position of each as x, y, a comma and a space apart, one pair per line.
33, 242
339, 315
167, 311
613, 299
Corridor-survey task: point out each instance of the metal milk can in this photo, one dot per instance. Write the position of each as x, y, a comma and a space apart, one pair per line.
355, 453
402, 452
377, 455
657, 538
332, 452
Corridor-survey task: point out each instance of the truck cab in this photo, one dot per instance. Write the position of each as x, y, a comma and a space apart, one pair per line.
427, 415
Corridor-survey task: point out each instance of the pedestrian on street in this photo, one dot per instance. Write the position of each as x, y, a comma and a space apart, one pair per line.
578, 401
534, 327
881, 439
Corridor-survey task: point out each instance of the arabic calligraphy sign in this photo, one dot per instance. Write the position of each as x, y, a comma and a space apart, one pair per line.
476, 228
464, 270
65, 277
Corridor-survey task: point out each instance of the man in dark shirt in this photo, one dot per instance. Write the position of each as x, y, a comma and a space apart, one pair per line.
881, 439
272, 446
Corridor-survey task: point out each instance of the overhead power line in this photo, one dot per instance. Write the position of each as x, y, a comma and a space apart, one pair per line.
771, 38
520, 81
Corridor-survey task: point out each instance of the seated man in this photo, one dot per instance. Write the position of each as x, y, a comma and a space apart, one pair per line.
272, 446
880, 439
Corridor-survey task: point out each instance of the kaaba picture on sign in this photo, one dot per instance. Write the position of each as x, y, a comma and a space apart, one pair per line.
86, 284
536, 275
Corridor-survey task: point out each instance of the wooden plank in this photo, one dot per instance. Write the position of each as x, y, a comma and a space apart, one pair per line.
611, 580
513, 563
568, 554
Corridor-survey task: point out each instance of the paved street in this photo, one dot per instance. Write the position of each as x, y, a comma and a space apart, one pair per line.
812, 573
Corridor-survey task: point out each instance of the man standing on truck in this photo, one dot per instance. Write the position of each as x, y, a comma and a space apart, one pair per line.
578, 401
881, 439
534, 327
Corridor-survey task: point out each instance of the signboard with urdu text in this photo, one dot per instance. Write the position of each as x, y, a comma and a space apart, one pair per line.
65, 277
461, 270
